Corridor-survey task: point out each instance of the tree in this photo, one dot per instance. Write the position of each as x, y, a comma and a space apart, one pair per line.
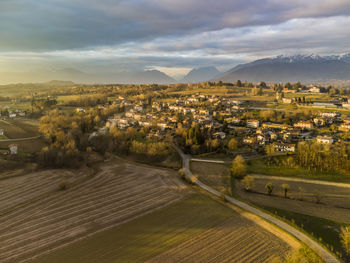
345, 238
248, 182
285, 188
269, 149
263, 84
239, 167
232, 144
269, 188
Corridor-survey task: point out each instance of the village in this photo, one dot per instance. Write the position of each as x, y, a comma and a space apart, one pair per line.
225, 117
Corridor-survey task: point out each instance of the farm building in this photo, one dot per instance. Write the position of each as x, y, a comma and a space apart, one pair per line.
284, 147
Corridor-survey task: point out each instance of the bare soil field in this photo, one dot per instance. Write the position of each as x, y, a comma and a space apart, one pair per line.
235, 240
22, 189
194, 229
118, 193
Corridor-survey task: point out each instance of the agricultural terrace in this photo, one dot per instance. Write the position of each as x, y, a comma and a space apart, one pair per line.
38, 222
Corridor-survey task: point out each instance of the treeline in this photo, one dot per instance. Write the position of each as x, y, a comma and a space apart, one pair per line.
198, 140
318, 157
90, 100
67, 135
70, 135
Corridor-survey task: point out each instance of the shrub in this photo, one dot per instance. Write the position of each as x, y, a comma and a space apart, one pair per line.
63, 185
248, 182
269, 188
182, 173
318, 196
345, 238
194, 179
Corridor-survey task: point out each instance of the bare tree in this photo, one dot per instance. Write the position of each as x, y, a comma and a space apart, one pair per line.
285, 188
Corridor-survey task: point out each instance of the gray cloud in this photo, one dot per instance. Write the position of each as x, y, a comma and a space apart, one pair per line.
63, 24
109, 35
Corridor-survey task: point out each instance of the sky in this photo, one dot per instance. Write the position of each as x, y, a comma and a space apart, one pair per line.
168, 35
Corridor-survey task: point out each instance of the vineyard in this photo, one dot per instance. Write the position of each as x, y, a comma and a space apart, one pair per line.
36, 218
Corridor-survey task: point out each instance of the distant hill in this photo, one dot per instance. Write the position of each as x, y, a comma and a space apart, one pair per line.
201, 74
59, 83
292, 68
63, 76
150, 76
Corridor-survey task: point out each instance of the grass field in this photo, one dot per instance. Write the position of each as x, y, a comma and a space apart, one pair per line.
22, 128
67, 98
213, 174
325, 231
18, 128
259, 167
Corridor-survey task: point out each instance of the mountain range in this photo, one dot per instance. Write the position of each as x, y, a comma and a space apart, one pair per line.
303, 68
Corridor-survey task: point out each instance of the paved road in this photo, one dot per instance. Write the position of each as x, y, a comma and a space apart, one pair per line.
21, 139
322, 252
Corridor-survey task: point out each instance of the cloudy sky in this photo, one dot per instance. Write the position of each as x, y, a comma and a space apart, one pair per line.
173, 36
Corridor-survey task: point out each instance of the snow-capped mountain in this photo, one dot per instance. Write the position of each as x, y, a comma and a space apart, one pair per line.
306, 68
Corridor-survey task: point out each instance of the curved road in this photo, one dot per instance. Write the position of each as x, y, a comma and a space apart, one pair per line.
321, 251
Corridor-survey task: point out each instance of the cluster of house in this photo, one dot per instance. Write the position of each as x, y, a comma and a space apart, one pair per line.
165, 116
334, 104
222, 117
12, 113
284, 137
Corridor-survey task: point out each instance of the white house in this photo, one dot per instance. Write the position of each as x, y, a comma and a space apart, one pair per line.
253, 124
324, 139
13, 148
1, 132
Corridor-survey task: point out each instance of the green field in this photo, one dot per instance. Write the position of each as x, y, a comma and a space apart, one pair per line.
14, 129
146, 236
259, 167
22, 128
325, 231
